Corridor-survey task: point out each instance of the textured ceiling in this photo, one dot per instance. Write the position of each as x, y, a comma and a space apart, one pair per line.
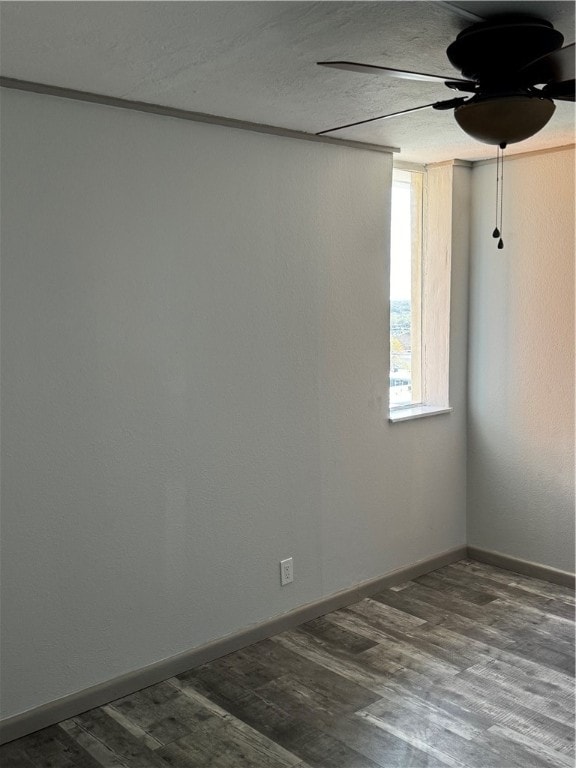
256, 61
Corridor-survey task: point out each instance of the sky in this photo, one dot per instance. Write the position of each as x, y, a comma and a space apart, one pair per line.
400, 267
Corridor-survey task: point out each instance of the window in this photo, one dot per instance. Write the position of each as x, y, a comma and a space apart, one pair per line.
405, 289
428, 227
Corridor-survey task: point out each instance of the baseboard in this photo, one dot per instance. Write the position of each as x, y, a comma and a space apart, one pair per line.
527, 568
76, 703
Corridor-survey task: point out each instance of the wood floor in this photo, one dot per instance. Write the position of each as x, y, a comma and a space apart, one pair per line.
470, 666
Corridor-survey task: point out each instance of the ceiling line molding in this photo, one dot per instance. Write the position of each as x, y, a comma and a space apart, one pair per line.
404, 165
456, 161
518, 155
183, 114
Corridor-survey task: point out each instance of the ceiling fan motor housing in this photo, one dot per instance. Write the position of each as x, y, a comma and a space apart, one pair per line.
501, 47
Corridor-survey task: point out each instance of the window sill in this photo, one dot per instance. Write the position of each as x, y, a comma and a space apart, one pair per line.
416, 412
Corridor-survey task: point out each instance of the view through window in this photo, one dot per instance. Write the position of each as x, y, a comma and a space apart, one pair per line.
405, 289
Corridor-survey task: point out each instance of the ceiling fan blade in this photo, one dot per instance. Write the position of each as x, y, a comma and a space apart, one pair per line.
372, 119
556, 67
459, 11
449, 104
402, 74
564, 91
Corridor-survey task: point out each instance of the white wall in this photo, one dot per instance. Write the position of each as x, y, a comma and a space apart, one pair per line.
195, 362
521, 378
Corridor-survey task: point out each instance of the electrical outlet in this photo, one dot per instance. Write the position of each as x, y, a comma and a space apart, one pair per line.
286, 571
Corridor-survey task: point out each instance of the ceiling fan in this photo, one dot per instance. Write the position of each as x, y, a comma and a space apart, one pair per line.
513, 69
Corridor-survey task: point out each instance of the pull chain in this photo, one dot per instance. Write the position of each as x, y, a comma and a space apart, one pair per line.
498, 229
496, 232
502, 148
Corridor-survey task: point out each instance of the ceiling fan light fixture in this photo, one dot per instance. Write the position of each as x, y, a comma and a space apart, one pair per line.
504, 119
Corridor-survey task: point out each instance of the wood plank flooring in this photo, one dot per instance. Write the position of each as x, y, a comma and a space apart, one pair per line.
470, 667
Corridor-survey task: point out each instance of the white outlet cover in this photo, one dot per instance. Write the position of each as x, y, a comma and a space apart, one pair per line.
286, 571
